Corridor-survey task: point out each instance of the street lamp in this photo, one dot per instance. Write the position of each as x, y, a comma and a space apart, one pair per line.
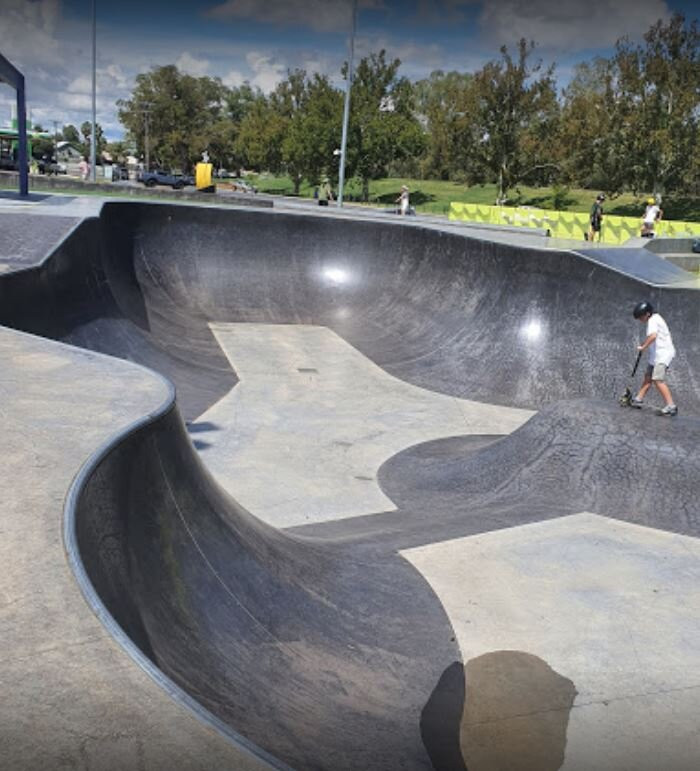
346, 108
55, 141
146, 110
93, 133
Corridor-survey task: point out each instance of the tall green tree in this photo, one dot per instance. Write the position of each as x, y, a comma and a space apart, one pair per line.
383, 125
658, 96
313, 132
101, 141
441, 102
510, 132
585, 128
71, 134
260, 136
180, 110
288, 100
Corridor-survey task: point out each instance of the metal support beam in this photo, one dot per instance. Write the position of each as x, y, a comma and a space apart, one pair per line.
346, 108
22, 160
93, 133
13, 77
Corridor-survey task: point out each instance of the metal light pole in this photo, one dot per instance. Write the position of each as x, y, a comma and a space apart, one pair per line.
55, 141
346, 108
146, 109
93, 133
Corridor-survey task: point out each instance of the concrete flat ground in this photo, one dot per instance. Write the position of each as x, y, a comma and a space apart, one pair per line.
391, 515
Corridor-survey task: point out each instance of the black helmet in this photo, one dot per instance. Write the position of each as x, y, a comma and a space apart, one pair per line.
642, 308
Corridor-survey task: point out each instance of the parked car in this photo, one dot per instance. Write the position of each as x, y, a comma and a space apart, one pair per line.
160, 177
119, 172
49, 166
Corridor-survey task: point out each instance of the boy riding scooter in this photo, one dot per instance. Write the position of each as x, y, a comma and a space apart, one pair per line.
659, 343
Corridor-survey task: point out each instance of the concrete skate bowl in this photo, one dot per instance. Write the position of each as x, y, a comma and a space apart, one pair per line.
323, 645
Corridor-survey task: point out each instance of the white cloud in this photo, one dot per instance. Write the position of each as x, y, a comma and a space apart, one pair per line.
569, 25
233, 78
267, 70
28, 30
191, 65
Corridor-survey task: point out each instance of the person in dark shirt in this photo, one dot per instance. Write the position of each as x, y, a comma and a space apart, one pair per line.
596, 219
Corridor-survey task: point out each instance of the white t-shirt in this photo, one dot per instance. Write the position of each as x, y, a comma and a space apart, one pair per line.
651, 214
661, 351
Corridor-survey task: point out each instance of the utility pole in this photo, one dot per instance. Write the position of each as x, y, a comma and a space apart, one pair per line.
146, 110
93, 133
55, 141
346, 108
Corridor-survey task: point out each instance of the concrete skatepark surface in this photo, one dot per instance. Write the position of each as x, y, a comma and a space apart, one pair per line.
394, 517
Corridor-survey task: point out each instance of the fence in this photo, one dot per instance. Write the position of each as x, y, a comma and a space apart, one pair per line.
565, 224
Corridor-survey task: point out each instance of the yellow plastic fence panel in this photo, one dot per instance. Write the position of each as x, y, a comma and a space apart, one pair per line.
484, 213
479, 213
203, 175
616, 230
500, 215
564, 224
671, 228
456, 211
570, 225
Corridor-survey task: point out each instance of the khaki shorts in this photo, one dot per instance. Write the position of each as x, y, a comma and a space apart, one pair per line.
657, 371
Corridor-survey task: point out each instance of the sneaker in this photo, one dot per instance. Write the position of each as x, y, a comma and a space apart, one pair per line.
638, 403
670, 410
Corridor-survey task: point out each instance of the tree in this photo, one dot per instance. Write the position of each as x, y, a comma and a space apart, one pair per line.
313, 131
260, 137
179, 110
101, 143
586, 127
510, 132
71, 134
659, 97
383, 127
119, 150
288, 101
441, 100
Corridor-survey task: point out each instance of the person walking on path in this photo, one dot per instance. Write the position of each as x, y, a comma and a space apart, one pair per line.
652, 215
403, 201
659, 343
596, 218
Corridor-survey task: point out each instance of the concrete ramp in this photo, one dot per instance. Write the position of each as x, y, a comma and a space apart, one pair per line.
426, 576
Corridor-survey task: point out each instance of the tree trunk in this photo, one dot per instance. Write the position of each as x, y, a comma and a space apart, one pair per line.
297, 183
365, 189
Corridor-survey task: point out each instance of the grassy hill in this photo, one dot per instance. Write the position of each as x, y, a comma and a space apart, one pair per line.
435, 196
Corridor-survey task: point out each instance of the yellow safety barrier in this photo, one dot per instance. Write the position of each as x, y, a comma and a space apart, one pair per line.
203, 173
566, 224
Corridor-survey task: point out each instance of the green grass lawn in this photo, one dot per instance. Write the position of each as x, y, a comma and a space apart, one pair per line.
435, 196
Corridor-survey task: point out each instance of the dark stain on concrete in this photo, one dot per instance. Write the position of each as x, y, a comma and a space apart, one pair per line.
506, 711
516, 713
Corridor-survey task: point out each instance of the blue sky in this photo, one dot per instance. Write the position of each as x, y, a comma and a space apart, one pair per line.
258, 41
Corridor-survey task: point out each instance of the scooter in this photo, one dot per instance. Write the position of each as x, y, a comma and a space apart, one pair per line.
626, 398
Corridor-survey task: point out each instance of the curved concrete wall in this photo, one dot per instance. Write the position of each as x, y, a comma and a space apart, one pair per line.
497, 323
